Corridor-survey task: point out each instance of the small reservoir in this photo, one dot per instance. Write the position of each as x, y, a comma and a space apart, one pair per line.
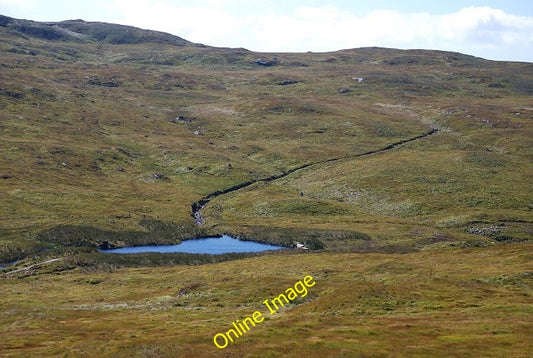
212, 245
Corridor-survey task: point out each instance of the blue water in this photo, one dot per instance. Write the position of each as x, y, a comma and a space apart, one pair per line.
212, 245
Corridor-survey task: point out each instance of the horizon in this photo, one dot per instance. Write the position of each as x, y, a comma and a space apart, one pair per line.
491, 30
275, 52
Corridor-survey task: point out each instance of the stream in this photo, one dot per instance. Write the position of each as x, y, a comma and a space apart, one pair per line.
200, 204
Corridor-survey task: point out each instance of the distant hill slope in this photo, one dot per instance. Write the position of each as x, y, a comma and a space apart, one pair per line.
110, 136
113, 133
79, 30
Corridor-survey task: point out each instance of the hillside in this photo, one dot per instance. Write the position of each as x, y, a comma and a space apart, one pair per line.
407, 172
86, 32
435, 303
105, 125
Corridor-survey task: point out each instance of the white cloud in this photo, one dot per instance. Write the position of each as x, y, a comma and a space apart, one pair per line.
283, 26
196, 22
15, 2
18, 4
321, 29
470, 30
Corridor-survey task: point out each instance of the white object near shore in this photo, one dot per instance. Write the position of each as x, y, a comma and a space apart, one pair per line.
301, 246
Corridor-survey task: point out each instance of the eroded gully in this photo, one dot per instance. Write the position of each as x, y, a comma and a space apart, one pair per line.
200, 204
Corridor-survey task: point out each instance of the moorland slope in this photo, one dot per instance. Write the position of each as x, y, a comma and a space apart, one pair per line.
112, 131
410, 172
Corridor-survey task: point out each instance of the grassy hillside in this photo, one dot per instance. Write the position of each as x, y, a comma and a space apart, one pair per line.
436, 303
103, 133
409, 173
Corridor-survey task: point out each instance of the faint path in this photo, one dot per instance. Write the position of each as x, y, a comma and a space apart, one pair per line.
34, 265
199, 205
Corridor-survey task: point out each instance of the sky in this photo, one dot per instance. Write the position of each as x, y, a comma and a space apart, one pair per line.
494, 29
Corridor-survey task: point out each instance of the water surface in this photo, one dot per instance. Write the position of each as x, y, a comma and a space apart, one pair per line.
212, 245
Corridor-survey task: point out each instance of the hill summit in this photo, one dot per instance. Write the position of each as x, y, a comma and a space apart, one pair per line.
82, 31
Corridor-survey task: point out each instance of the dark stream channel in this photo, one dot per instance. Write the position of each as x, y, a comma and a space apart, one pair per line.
199, 205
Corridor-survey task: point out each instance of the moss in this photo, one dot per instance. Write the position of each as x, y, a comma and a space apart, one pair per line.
157, 233
91, 150
361, 305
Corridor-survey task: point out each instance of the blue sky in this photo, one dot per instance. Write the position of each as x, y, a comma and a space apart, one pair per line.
499, 30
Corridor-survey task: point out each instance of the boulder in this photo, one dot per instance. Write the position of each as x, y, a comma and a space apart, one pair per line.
262, 62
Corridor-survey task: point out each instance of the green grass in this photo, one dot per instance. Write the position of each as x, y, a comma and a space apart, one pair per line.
423, 248
79, 152
459, 302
